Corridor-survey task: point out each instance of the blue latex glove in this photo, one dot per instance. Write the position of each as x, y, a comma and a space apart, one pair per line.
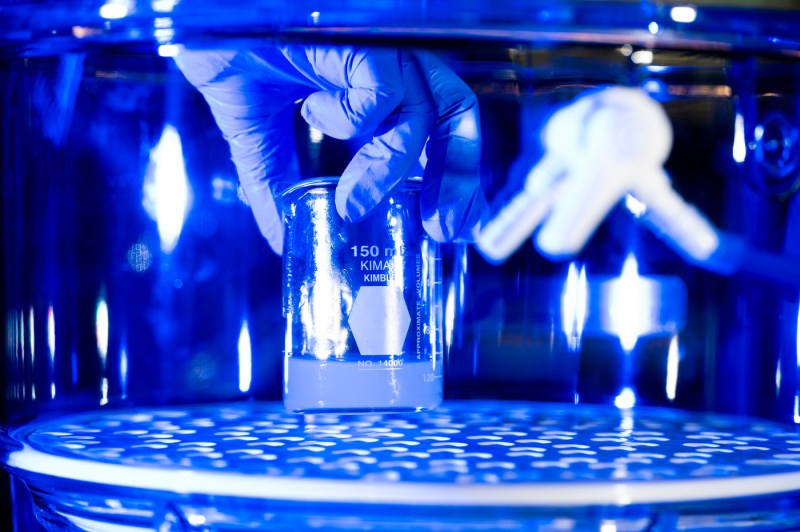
404, 100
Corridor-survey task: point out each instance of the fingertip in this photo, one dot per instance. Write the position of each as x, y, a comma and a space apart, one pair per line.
276, 243
271, 228
267, 216
351, 204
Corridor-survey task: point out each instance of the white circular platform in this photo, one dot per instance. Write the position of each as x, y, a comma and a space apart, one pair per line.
477, 454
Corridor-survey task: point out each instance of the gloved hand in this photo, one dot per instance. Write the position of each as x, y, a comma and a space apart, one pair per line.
405, 100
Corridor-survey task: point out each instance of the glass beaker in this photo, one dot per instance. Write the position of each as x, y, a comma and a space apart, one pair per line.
362, 303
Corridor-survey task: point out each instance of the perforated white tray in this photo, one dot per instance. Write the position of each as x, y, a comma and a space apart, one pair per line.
476, 454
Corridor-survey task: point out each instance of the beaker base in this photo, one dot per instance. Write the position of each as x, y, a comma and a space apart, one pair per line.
322, 386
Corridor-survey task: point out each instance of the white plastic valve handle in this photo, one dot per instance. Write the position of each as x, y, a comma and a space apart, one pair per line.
602, 146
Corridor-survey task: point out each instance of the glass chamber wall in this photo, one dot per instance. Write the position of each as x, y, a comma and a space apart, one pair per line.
134, 273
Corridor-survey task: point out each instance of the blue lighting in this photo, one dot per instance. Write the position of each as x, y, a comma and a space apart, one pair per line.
166, 191
655, 87
673, 359
164, 6
104, 391
319, 311
574, 305
797, 355
51, 340
245, 352
114, 10
101, 330
642, 57
450, 314
630, 305
626, 399
608, 526
684, 14
32, 337
797, 409
739, 147
168, 50
315, 136
123, 371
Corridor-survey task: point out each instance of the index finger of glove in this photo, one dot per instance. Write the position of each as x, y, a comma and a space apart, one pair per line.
256, 120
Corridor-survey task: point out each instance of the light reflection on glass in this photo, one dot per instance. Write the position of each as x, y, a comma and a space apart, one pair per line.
796, 409
196, 519
797, 355
574, 305
450, 314
101, 330
315, 136
245, 353
104, 392
429, 266
467, 127
224, 190
608, 526
658, 68
685, 14
654, 86
123, 371
164, 35
168, 50
164, 6
287, 336
81, 32
626, 399
626, 423
798, 336
758, 132
673, 358
167, 193
630, 305
31, 336
323, 311
653, 27
17, 331
397, 270
164, 32
739, 148
114, 10
21, 350
51, 334
642, 57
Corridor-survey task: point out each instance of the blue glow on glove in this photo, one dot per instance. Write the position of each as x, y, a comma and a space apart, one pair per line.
406, 101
